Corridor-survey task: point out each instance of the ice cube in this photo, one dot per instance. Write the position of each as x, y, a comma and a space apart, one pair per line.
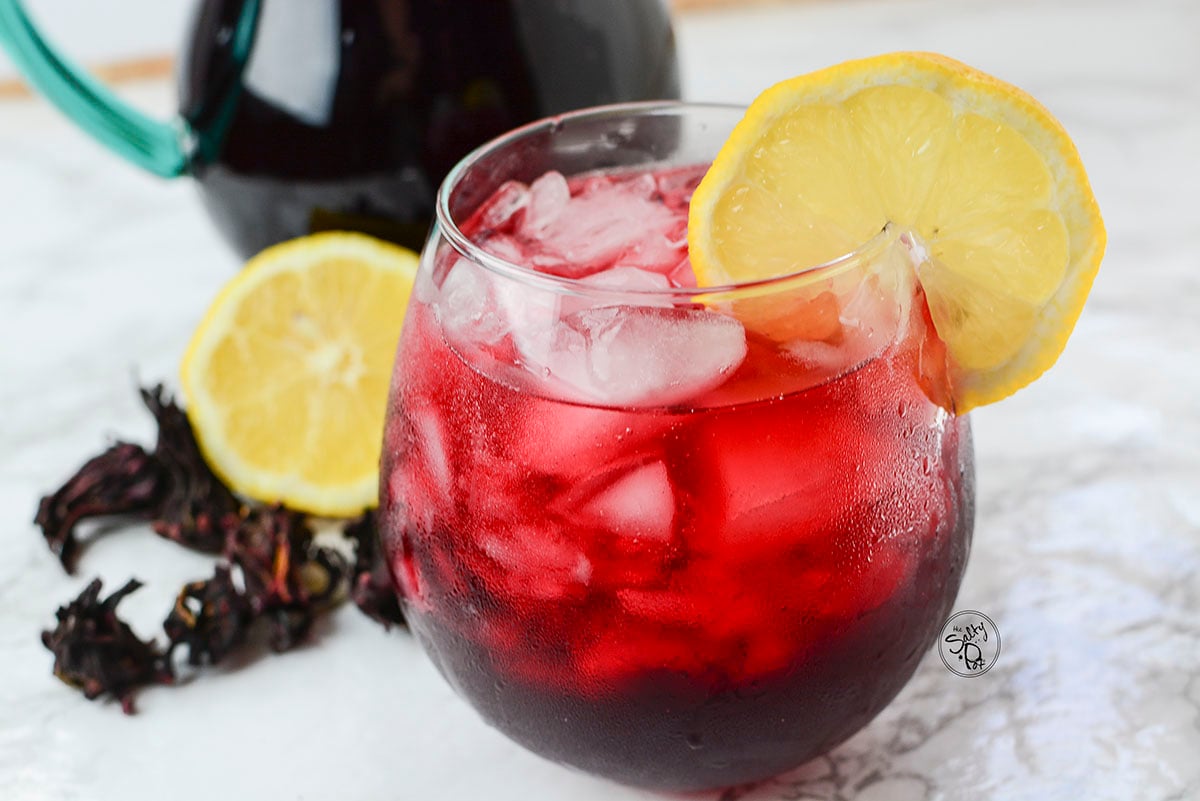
529, 312
640, 505
874, 316
502, 246
548, 198
429, 438
534, 563
574, 443
641, 185
478, 308
467, 308
676, 186
619, 279
774, 477
409, 490
531, 315
512, 307
606, 223
499, 211
625, 277
621, 510
659, 251
868, 319
641, 356
822, 359
637, 184
421, 480
681, 274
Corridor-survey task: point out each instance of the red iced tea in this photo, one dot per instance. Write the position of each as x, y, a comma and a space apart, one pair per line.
676, 540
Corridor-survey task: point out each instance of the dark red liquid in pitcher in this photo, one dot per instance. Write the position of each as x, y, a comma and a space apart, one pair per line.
348, 113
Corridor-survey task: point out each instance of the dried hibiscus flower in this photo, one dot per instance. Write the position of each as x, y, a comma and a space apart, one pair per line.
271, 574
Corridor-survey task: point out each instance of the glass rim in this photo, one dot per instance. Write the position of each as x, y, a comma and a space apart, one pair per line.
579, 286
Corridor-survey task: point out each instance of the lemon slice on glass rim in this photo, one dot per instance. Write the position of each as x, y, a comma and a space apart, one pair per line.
286, 378
984, 179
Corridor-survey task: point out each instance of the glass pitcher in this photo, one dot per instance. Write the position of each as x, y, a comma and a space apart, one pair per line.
319, 114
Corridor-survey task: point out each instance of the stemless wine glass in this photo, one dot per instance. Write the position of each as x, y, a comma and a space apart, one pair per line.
679, 537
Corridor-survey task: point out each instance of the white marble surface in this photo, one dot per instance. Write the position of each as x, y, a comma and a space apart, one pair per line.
1087, 547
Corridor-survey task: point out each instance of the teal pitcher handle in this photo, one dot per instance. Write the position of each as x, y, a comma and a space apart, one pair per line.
163, 148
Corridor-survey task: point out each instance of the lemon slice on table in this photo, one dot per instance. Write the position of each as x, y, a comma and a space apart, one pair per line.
286, 379
975, 169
